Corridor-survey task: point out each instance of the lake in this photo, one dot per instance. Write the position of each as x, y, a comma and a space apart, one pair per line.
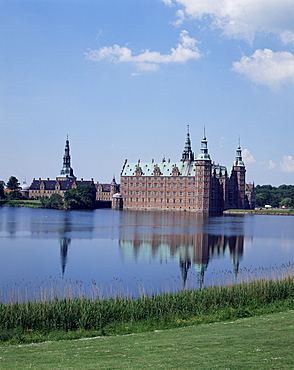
103, 252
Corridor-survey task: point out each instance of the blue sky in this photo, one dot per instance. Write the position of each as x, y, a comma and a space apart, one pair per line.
124, 79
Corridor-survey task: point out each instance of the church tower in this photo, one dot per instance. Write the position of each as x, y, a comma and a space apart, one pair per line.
187, 152
66, 171
203, 178
239, 169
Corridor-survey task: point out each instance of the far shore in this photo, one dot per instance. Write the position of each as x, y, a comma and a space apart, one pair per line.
261, 211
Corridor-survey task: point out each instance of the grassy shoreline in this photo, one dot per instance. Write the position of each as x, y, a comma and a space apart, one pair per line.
279, 212
30, 203
76, 318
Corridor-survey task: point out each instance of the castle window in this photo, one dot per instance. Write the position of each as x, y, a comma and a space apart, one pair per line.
125, 192
161, 200
149, 184
131, 184
174, 200
131, 199
148, 200
174, 193
137, 193
181, 193
168, 193
137, 184
143, 192
131, 193
155, 193
154, 200
149, 192
155, 184
137, 200
143, 200
181, 185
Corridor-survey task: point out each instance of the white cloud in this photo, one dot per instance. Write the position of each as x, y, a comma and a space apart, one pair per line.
267, 68
180, 14
167, 2
148, 60
287, 165
247, 157
272, 165
243, 18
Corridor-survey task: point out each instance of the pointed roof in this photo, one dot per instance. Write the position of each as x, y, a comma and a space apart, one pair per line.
187, 152
204, 155
66, 171
239, 161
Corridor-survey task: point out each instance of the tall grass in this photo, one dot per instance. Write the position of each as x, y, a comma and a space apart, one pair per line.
106, 316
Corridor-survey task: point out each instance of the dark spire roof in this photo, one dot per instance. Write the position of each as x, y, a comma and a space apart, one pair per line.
187, 152
66, 170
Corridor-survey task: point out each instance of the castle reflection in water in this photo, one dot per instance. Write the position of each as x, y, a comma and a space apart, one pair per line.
145, 239
192, 239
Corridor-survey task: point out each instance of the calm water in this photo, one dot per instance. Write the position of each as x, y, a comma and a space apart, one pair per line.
107, 252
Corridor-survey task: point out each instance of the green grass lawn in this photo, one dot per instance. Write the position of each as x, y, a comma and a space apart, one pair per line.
264, 342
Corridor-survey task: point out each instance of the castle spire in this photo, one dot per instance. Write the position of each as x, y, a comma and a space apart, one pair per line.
66, 171
187, 152
239, 161
204, 155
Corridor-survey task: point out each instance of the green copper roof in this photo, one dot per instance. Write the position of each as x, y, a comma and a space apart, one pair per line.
186, 168
166, 168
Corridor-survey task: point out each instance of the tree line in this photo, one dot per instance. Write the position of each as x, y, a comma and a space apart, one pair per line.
81, 197
281, 196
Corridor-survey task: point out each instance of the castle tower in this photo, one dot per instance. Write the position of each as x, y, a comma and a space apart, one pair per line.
239, 169
113, 187
203, 178
66, 171
187, 152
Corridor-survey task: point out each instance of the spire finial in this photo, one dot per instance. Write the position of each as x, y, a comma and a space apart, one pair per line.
204, 132
188, 129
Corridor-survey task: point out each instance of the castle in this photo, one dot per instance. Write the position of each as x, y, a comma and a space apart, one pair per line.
191, 184
66, 180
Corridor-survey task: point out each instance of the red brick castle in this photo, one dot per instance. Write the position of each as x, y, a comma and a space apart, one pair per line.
192, 184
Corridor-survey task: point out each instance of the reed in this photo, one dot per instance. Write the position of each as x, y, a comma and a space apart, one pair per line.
115, 315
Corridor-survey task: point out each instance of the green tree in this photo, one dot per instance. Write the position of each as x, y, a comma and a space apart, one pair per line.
81, 197
286, 202
268, 194
15, 195
13, 183
54, 202
2, 194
